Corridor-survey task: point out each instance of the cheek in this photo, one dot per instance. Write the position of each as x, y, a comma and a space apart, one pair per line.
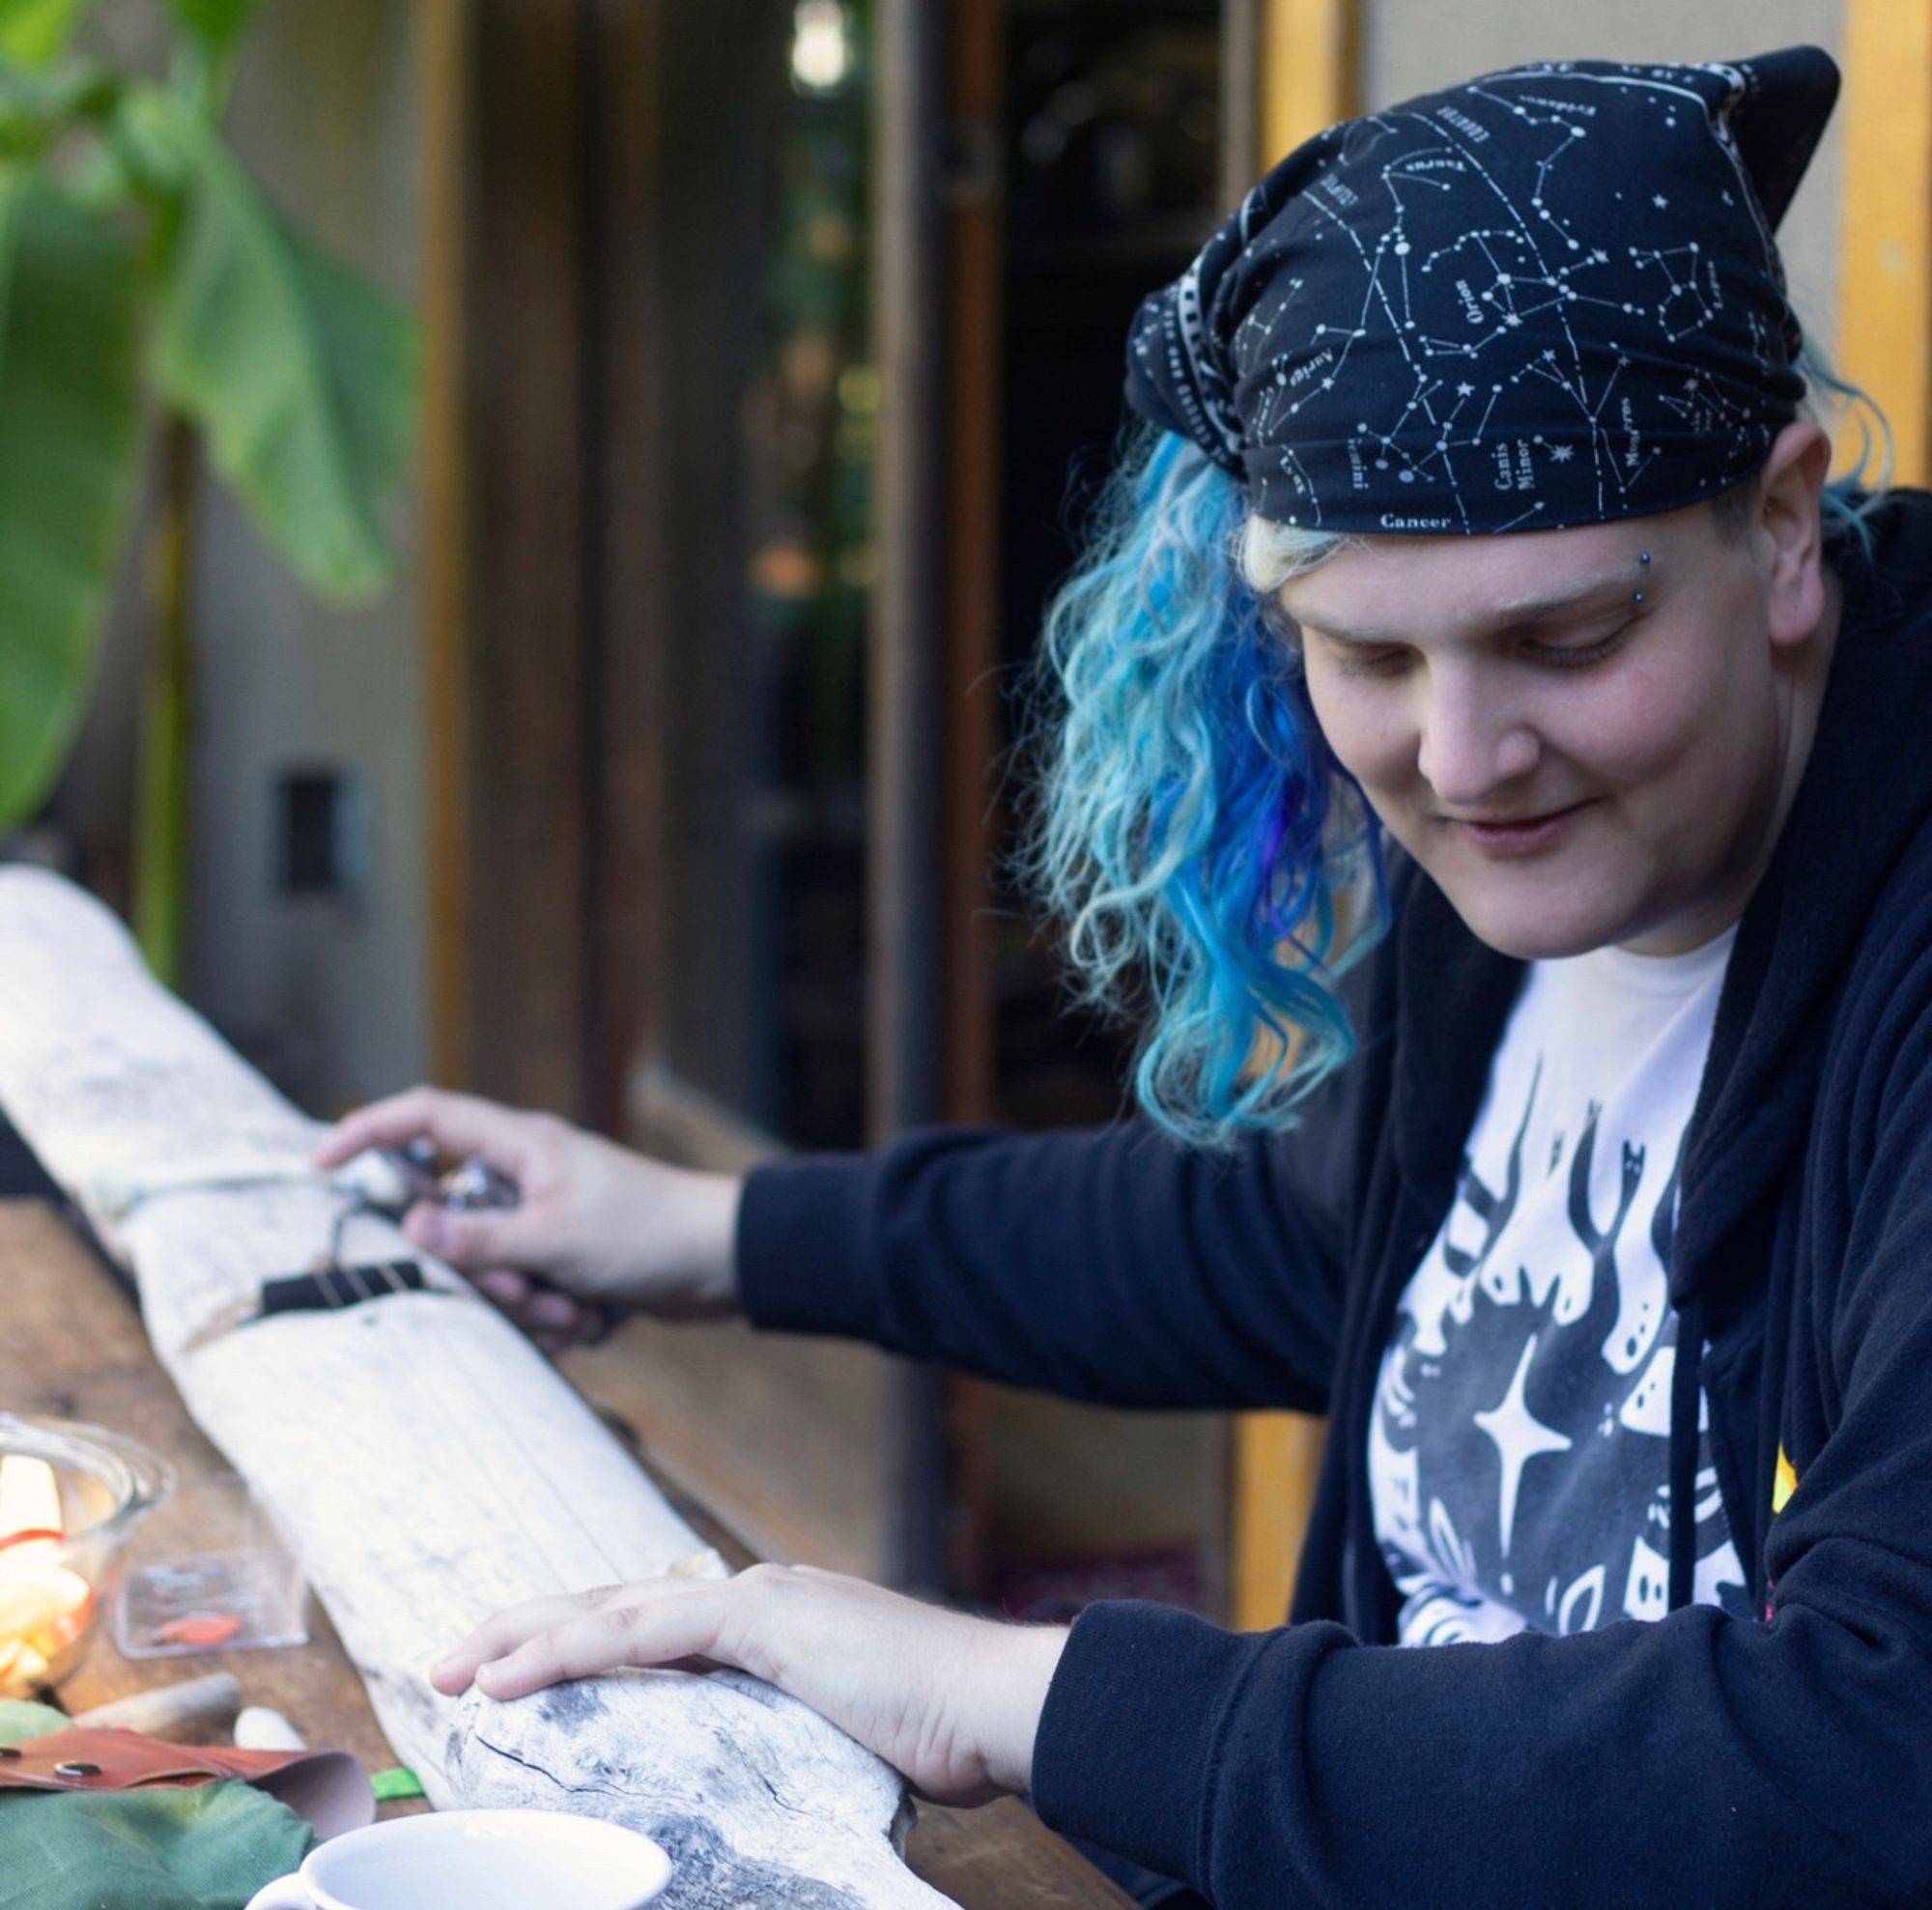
1366, 732
1656, 724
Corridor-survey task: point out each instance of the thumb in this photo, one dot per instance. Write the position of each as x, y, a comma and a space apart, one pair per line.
483, 1239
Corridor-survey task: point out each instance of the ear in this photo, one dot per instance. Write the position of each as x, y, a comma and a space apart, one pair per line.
1787, 535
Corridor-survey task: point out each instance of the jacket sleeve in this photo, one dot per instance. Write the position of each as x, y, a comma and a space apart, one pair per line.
1109, 1266
1701, 1758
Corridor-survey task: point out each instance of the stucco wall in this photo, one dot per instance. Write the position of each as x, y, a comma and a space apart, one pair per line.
1413, 46
329, 992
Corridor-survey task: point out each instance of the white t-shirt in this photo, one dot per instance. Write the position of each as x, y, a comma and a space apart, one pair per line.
1519, 1451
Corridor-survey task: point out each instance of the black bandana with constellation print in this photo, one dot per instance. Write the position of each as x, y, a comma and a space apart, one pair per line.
1547, 296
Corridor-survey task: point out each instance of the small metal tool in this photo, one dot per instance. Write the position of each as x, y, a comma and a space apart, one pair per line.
472, 1185
475, 1184
468, 1185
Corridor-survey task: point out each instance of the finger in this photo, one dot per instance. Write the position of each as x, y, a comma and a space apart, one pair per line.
662, 1623
550, 1311
584, 1328
503, 1285
457, 1123
554, 1320
487, 1237
591, 1325
386, 1123
504, 1630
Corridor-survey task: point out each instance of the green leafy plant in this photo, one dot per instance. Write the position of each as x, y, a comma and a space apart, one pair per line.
151, 294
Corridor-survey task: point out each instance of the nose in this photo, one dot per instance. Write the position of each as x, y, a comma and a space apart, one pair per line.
1474, 743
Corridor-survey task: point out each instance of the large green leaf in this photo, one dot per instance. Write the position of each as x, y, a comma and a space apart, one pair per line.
372, 361
217, 23
38, 103
68, 383
40, 106
33, 31
301, 376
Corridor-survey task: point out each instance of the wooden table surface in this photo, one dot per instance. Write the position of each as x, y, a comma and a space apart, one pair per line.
73, 1347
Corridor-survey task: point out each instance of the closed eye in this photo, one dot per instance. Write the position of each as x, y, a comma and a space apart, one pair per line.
1560, 656
1360, 660
1357, 657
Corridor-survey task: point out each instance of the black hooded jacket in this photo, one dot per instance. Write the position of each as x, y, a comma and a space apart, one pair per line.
1701, 1758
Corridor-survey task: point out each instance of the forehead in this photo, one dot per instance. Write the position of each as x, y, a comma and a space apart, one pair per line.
1390, 584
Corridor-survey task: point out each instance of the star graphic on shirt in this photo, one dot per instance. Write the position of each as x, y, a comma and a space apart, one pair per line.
1658, 200
1518, 1435
1561, 454
1466, 390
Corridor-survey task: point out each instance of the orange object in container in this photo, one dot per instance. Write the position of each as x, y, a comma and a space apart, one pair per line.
67, 1493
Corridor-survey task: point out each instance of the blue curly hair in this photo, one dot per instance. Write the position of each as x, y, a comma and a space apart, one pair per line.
1194, 834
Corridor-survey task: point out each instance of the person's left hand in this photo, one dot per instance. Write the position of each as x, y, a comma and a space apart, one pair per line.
951, 1702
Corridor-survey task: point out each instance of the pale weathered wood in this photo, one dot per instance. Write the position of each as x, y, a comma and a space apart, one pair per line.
430, 1465
164, 1711
73, 1347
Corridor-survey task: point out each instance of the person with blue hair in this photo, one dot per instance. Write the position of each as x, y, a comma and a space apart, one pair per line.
1490, 754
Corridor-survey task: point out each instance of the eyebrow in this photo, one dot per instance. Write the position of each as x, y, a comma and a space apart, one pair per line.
1523, 613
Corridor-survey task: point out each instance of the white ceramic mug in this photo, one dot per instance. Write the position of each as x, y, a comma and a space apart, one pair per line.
481, 1859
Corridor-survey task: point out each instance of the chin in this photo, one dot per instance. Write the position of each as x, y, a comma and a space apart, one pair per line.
1533, 927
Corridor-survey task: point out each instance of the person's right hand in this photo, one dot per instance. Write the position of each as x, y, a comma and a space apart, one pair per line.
598, 1226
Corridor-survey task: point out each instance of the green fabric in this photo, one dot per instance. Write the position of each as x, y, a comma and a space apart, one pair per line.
20, 1722
211, 1848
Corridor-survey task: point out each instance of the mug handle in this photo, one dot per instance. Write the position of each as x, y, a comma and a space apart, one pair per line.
287, 1892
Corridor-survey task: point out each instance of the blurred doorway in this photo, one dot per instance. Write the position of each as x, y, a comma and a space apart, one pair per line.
779, 347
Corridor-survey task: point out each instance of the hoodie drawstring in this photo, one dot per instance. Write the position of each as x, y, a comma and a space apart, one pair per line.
1686, 1391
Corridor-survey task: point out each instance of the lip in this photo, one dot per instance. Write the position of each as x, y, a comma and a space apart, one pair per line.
1534, 835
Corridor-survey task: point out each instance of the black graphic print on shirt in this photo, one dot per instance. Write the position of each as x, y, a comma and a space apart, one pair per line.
1520, 1443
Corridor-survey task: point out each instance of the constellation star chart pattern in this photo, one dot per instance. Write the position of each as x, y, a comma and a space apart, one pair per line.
1549, 296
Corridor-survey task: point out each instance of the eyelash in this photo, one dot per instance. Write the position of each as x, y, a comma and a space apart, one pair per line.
1594, 653
1391, 663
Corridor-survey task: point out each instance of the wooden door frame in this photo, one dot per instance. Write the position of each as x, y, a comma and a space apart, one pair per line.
510, 790
1309, 65
1885, 272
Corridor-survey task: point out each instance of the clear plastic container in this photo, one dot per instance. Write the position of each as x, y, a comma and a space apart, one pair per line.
217, 1573
57, 1570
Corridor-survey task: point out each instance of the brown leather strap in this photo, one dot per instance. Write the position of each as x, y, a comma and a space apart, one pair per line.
328, 1787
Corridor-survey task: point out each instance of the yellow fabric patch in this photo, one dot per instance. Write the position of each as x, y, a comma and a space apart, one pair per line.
1784, 1484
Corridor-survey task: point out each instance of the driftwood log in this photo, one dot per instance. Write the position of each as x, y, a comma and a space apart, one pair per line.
429, 1464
